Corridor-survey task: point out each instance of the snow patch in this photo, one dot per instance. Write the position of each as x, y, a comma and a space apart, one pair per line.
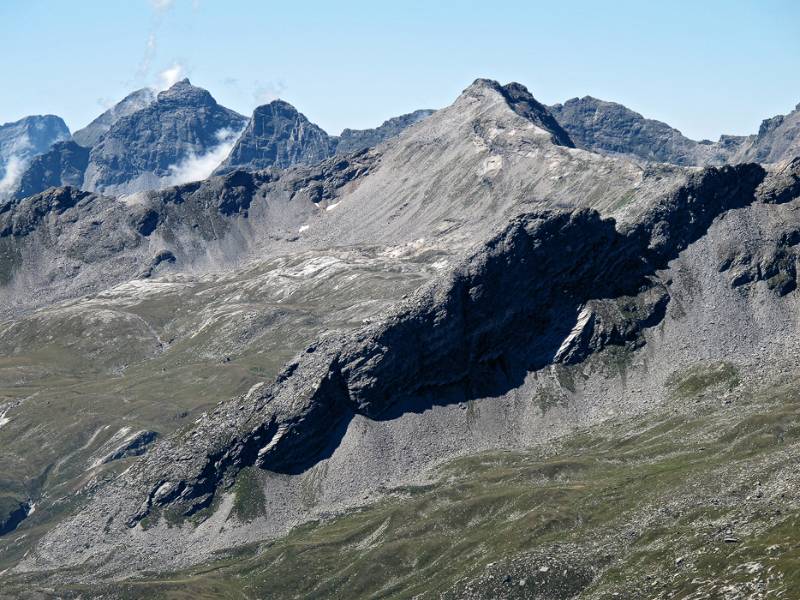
332, 206
304, 228
3, 418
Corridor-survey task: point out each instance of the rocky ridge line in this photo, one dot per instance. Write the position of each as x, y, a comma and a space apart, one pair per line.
513, 305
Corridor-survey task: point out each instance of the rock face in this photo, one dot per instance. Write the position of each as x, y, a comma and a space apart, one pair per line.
135, 101
612, 128
524, 104
163, 143
22, 140
63, 165
778, 139
353, 140
277, 135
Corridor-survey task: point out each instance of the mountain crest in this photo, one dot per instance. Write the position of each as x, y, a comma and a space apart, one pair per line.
522, 102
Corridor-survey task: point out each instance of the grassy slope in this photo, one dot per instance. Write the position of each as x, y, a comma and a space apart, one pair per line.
74, 375
678, 505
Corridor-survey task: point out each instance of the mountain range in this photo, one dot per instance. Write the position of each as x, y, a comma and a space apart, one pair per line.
182, 134
499, 349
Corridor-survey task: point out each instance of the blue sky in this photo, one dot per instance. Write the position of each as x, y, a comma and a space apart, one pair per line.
704, 67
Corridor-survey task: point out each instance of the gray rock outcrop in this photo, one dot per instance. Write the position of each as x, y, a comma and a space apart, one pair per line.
615, 129
63, 165
353, 140
778, 139
278, 136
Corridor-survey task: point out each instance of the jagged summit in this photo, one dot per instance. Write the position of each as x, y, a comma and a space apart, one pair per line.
63, 165
278, 135
610, 127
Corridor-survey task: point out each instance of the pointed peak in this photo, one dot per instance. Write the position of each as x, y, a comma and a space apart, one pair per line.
521, 101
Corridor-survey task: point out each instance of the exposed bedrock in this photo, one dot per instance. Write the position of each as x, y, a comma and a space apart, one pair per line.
550, 287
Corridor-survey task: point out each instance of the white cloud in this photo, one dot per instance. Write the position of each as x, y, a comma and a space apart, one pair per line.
15, 167
197, 167
169, 77
160, 8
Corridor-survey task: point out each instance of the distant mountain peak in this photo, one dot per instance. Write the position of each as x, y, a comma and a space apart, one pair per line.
161, 144
22, 140
278, 135
137, 100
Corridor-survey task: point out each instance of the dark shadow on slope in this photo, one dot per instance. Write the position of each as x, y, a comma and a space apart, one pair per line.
552, 287
512, 306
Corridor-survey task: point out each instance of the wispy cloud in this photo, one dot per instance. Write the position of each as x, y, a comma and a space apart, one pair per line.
197, 167
150, 48
170, 76
15, 167
159, 9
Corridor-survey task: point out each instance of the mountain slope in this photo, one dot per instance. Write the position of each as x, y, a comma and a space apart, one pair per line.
62, 165
162, 142
135, 101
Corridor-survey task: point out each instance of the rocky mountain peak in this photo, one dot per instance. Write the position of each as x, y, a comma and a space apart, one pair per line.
280, 136
159, 145
522, 102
